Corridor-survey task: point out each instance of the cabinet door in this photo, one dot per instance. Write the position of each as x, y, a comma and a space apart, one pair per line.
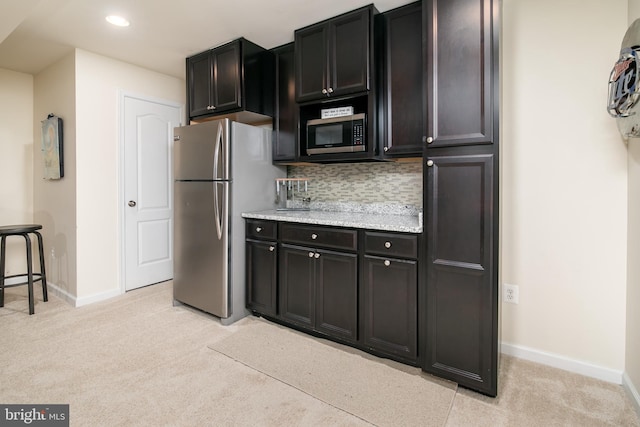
403, 118
349, 52
462, 292
311, 62
262, 264
296, 285
460, 62
199, 77
285, 124
336, 294
389, 306
227, 77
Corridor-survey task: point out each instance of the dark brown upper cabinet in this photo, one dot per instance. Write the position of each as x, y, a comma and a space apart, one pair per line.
458, 61
334, 57
285, 145
234, 77
400, 115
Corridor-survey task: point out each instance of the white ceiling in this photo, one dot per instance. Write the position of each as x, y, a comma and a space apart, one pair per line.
36, 33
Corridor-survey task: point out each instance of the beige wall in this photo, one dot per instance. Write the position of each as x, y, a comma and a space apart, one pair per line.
564, 177
99, 82
632, 366
55, 200
16, 166
81, 211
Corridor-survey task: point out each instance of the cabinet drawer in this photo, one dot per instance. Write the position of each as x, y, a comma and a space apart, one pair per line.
261, 229
391, 244
326, 237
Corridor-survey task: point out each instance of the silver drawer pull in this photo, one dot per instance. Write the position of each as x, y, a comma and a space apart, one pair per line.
271, 249
387, 245
387, 263
310, 254
314, 236
317, 255
258, 229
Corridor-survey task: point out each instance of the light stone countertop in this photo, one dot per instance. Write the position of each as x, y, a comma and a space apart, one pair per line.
367, 220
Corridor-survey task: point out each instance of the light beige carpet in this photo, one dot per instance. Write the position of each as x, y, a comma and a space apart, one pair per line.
136, 360
345, 378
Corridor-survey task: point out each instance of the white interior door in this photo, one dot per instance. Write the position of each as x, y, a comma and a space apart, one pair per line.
148, 191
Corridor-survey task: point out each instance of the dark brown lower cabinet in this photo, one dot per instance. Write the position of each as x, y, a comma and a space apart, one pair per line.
337, 294
297, 285
318, 290
262, 268
461, 284
389, 306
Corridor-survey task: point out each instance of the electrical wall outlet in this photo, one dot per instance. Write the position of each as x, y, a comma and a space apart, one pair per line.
510, 293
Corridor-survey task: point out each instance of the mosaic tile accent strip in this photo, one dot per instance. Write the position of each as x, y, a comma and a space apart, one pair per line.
393, 183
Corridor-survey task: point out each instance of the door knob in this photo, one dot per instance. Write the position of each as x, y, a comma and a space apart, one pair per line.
132, 203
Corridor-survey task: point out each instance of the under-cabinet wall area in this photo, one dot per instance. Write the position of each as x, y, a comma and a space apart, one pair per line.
390, 183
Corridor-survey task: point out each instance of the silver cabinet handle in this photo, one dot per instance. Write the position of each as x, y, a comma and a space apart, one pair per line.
310, 254
387, 263
387, 245
330, 90
324, 91
386, 149
429, 163
258, 229
317, 255
271, 248
314, 236
132, 203
429, 140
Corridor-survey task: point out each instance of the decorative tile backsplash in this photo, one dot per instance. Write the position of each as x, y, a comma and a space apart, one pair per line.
397, 183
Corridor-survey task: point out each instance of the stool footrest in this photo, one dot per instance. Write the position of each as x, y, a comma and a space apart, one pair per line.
36, 277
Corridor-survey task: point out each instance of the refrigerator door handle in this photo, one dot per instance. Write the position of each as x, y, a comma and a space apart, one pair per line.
216, 154
218, 208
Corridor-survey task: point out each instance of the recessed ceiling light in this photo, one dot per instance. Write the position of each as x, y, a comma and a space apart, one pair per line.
117, 20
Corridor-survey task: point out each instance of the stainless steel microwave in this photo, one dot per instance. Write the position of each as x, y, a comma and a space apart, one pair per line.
344, 134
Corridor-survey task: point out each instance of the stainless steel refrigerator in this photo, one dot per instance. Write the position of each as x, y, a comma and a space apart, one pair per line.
221, 169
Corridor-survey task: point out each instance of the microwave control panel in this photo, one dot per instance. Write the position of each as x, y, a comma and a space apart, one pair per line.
358, 133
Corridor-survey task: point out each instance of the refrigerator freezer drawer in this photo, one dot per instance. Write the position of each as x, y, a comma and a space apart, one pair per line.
201, 246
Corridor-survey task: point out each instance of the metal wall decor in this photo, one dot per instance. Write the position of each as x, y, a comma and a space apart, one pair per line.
52, 147
624, 84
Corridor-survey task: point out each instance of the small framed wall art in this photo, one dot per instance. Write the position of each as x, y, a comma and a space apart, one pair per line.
52, 147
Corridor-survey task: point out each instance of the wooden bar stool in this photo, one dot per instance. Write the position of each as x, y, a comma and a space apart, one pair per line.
24, 231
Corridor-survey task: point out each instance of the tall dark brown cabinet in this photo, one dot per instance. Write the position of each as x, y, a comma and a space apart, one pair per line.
460, 306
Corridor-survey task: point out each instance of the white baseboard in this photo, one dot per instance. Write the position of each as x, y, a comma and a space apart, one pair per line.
79, 302
15, 280
562, 362
61, 293
631, 390
98, 297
